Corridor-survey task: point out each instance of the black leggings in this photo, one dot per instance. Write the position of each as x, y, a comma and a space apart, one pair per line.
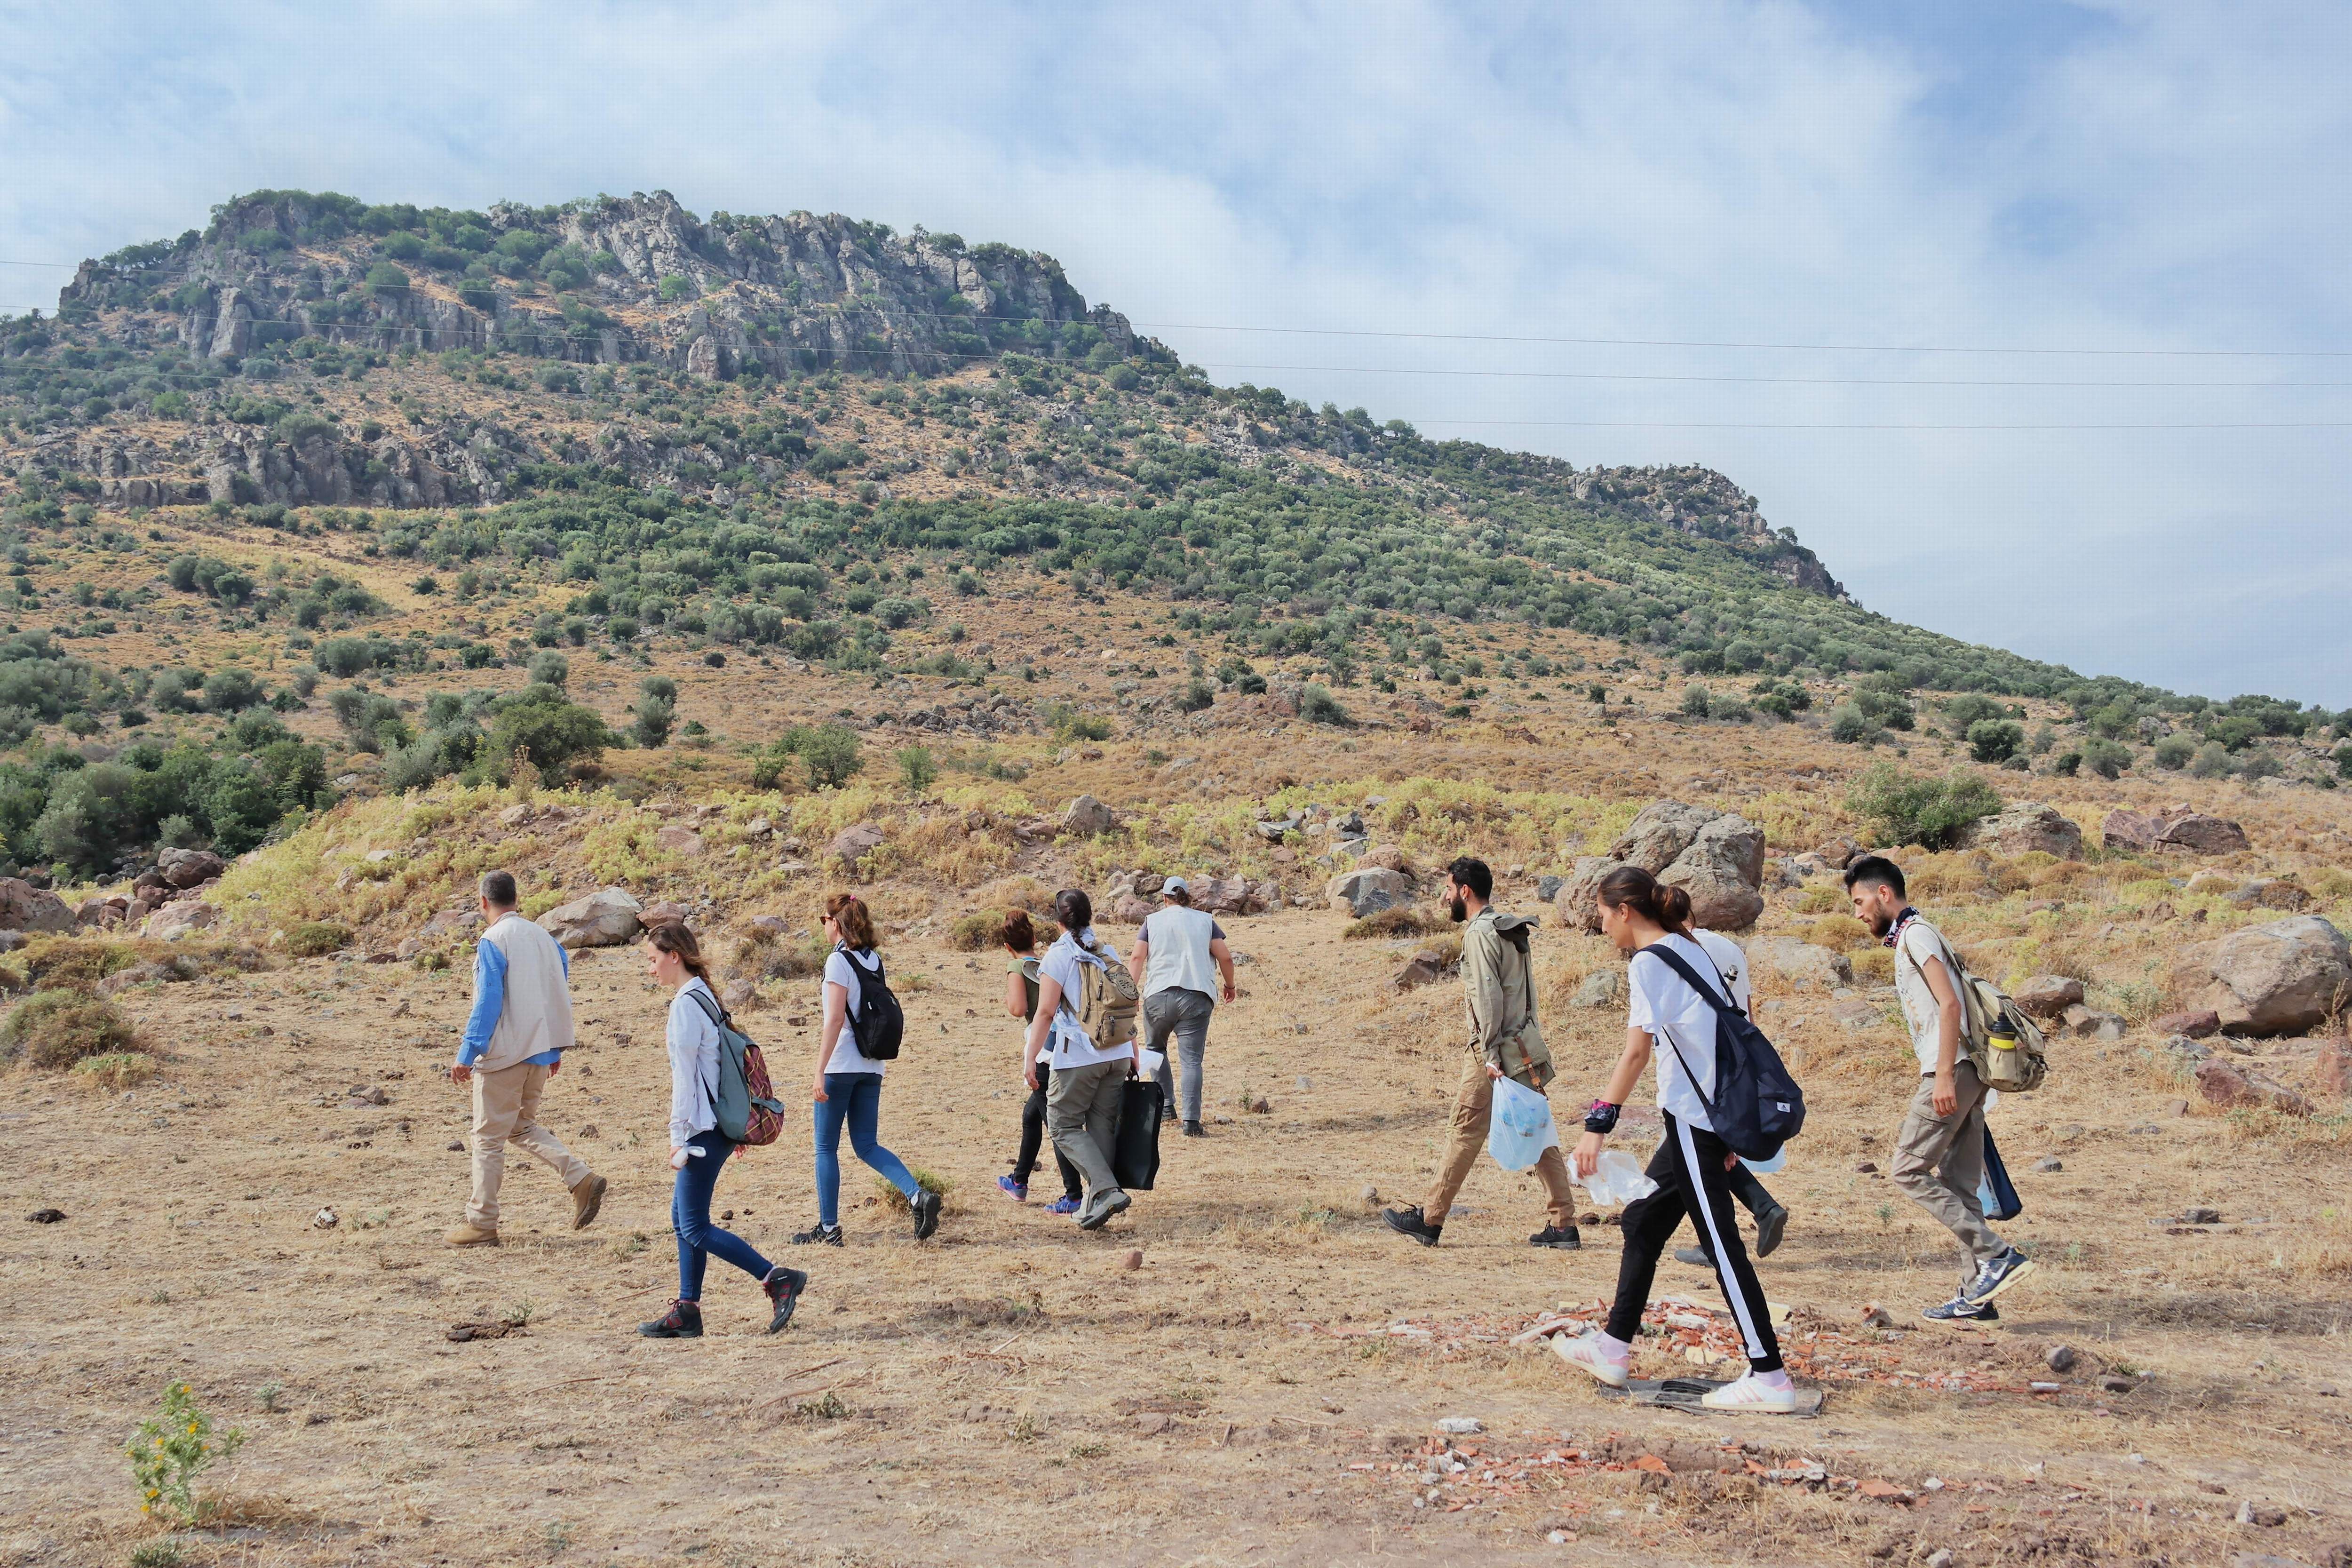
1033, 1139
1693, 1183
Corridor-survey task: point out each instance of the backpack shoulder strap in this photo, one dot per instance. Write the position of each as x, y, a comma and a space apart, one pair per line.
1675, 961
709, 1005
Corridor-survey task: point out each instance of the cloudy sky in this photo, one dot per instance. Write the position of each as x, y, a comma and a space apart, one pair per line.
1857, 256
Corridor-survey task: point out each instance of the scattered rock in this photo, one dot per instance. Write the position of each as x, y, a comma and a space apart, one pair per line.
1548, 888
368, 1094
456, 1145
45, 1216
2090, 1024
2224, 1084
2270, 893
178, 918
1806, 961
2195, 833
1838, 853
1874, 1316
2195, 1024
606, 918
1232, 895
2059, 1358
1422, 969
1153, 1423
514, 816
2047, 996
1133, 1260
1088, 815
460, 1333
679, 840
1867, 1168
2130, 830
1131, 911
325, 1219
186, 868
2050, 1165
1603, 988
2201, 1217
2024, 827
2115, 1382
854, 843
2181, 1048
2331, 1068
1388, 857
738, 996
2276, 979
1942, 1556
2268, 1515
1367, 889
1461, 1426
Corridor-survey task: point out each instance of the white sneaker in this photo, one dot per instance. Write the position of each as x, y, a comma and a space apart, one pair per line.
1586, 1351
1752, 1397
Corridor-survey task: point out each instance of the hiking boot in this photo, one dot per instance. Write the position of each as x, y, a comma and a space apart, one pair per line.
1961, 1310
1552, 1236
1113, 1204
1192, 1129
1998, 1275
1062, 1205
1770, 1227
682, 1322
586, 1199
783, 1287
1694, 1256
1408, 1222
926, 1205
1017, 1190
819, 1234
471, 1235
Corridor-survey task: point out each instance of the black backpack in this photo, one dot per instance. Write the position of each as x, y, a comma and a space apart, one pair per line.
879, 1023
1756, 1105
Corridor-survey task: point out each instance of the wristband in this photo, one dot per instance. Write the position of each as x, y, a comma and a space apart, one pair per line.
1602, 1117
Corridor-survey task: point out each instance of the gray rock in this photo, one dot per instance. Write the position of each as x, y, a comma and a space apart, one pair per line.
2025, 826
2180, 1047
1232, 895
2130, 830
2047, 996
1088, 815
2090, 1024
1367, 889
1658, 836
2227, 1085
2049, 1164
1579, 898
2059, 1358
1716, 857
1603, 988
24, 908
1806, 961
1548, 888
679, 840
854, 843
2276, 979
180, 917
606, 918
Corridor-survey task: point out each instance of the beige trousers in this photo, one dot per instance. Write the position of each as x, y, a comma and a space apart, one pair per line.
505, 1110
1473, 1111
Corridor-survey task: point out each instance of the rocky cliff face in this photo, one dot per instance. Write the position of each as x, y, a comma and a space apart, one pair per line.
1707, 505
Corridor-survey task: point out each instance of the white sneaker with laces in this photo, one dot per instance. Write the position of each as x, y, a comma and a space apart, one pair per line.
1587, 1351
1753, 1396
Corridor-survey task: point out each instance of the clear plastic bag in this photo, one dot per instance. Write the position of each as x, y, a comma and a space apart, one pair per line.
1521, 1127
1618, 1179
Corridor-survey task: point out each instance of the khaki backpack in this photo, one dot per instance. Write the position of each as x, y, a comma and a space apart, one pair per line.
1986, 1009
1107, 1002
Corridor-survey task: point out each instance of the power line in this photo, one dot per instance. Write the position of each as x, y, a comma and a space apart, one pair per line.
1660, 425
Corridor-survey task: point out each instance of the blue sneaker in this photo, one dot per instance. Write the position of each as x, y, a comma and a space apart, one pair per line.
1017, 1190
1998, 1276
1063, 1206
1961, 1310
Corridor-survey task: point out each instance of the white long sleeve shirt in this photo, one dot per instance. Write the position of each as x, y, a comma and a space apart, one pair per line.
693, 1065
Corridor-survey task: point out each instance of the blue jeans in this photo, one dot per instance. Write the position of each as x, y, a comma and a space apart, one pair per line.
855, 1098
689, 1215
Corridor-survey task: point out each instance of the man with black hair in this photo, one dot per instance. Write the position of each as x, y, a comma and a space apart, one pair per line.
514, 1042
1499, 988
1939, 1150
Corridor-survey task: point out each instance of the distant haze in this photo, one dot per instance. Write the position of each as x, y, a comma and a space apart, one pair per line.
2026, 176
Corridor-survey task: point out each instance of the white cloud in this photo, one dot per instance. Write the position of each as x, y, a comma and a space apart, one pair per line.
2158, 176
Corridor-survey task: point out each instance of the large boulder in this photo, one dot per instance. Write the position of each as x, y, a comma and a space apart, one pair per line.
2024, 827
854, 843
2190, 832
1088, 815
1801, 961
1232, 895
2276, 979
2123, 829
1367, 889
2047, 996
1716, 857
2227, 1085
606, 918
189, 867
24, 907
180, 917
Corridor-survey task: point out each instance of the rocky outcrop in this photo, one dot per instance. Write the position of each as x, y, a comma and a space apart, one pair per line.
2025, 827
180, 917
1087, 815
24, 907
2276, 979
2227, 1085
1801, 961
189, 867
1716, 857
854, 843
2047, 996
606, 918
2178, 828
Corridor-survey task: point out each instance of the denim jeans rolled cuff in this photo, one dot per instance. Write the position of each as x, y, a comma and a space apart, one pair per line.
689, 1215
851, 1099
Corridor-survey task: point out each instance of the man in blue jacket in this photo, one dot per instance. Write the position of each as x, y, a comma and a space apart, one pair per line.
514, 1042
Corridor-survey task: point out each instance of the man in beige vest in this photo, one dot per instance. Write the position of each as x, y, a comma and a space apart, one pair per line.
515, 1040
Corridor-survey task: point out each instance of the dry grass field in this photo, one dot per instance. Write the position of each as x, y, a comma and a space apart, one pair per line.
1263, 1384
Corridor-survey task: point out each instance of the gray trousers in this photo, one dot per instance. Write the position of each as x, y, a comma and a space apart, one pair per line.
1939, 1162
1082, 1115
1185, 1014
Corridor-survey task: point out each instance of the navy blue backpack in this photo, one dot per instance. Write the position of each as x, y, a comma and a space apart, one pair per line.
1756, 1105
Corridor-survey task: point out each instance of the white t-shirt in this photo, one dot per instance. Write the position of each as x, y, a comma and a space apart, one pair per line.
1682, 1023
1921, 1012
1730, 961
1068, 1044
842, 970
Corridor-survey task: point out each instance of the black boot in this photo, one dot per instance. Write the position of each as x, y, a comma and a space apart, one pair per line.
682, 1322
783, 1287
1564, 1240
1408, 1222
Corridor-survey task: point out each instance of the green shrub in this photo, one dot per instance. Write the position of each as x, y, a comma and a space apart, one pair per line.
2106, 758
1850, 725
2174, 752
55, 1029
315, 939
980, 929
1904, 809
829, 755
1316, 705
1696, 703
2211, 762
1992, 741
926, 1180
2067, 763
917, 770
1070, 724
117, 1070
172, 1449
1391, 922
